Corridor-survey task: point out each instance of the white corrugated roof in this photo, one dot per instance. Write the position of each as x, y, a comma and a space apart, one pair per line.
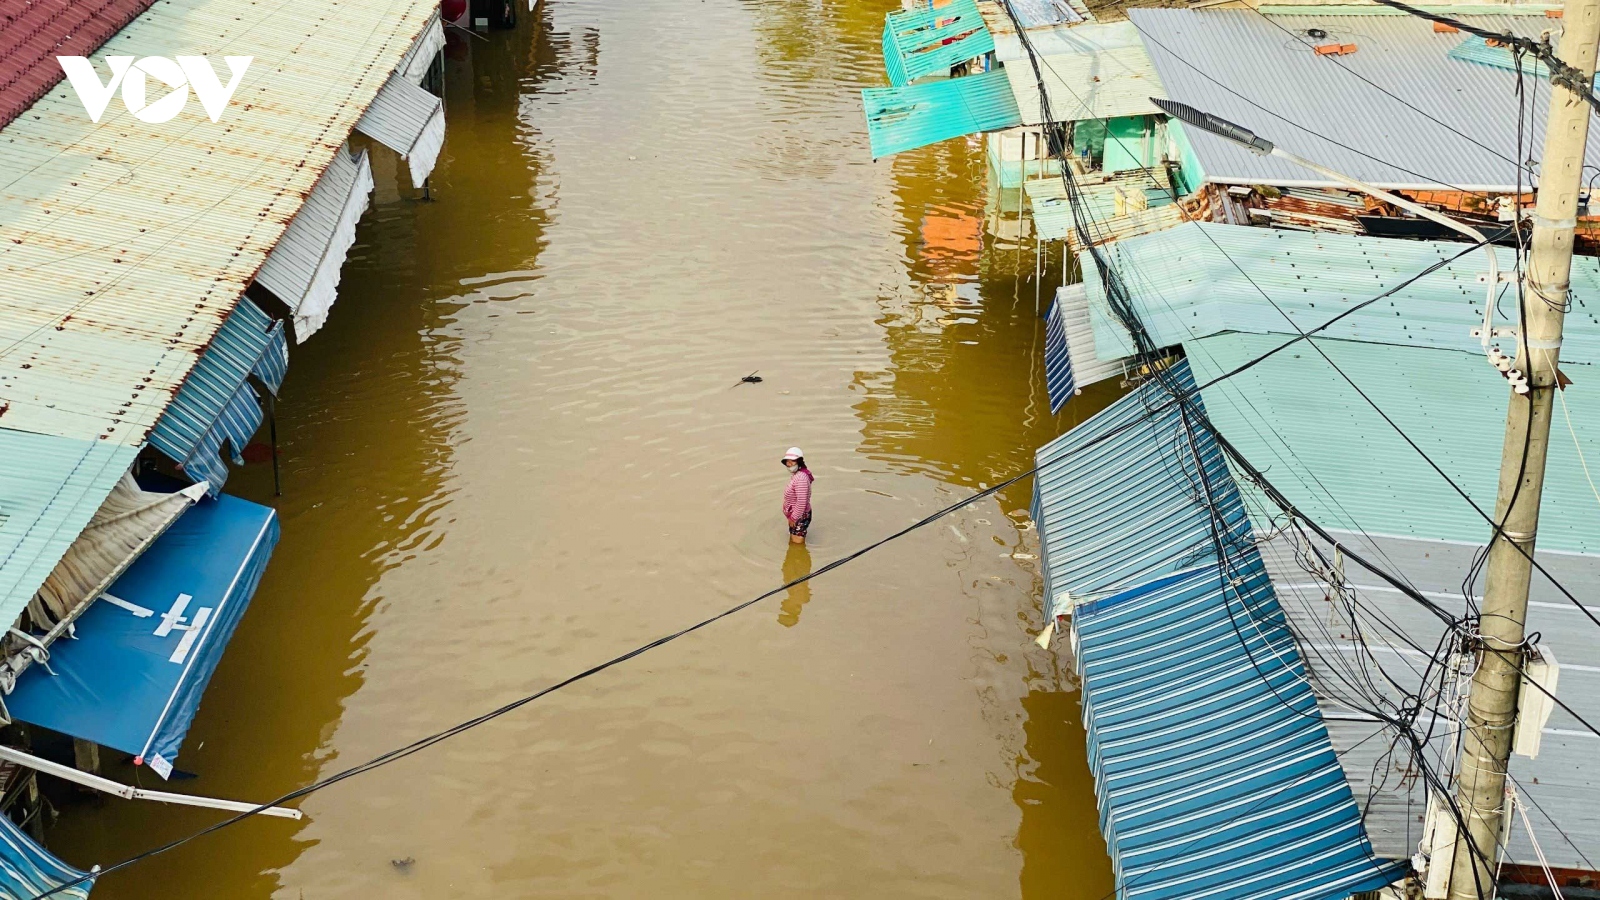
1091, 71
1353, 113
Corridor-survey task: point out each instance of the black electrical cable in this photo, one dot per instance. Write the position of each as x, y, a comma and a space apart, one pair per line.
1150, 358
1569, 77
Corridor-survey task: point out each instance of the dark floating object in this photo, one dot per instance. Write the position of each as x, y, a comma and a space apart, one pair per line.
752, 378
402, 864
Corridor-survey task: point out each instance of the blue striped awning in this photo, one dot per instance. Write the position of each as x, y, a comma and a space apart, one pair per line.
921, 42
1106, 501
1214, 770
217, 405
28, 870
904, 118
1059, 382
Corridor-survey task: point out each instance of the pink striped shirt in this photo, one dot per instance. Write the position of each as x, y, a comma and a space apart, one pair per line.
797, 497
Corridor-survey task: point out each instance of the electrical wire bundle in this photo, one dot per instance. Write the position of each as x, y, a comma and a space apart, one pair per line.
1398, 707
1401, 716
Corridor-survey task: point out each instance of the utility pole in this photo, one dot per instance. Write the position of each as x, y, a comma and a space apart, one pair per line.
1492, 703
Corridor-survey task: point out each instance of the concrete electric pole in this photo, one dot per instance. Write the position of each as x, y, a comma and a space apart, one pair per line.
1492, 703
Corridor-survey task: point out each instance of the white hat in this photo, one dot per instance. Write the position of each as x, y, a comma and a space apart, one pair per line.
793, 453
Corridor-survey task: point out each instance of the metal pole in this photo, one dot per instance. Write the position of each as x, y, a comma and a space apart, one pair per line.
272, 420
1492, 701
108, 786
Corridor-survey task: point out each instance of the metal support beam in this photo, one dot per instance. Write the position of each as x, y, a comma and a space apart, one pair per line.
68, 773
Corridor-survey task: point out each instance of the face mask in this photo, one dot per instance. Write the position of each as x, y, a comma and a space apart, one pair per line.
791, 466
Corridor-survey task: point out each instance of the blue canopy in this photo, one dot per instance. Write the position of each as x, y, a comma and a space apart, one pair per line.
26, 870
144, 652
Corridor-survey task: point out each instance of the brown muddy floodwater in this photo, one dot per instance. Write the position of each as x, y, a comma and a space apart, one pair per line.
518, 449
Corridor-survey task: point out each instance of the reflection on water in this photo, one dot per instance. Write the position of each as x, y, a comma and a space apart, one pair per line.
796, 564
517, 450
1052, 777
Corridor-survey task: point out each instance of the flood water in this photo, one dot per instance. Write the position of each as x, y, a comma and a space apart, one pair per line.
520, 447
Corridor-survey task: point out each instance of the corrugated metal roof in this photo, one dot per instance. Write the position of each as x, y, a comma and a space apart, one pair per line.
1053, 216
408, 120
1201, 278
303, 270
1070, 361
1296, 419
904, 118
1561, 780
1213, 59
1215, 774
127, 244
922, 42
1059, 382
249, 342
1091, 71
34, 33
50, 487
1104, 503
1039, 18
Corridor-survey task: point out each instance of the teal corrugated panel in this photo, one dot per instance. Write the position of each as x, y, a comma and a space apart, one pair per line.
922, 42
892, 64
1320, 443
49, 488
1199, 279
1474, 49
904, 118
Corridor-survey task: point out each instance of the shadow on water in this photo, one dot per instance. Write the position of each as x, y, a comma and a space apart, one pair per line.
366, 423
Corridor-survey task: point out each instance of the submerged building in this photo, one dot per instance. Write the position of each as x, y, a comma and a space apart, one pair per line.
154, 275
1260, 553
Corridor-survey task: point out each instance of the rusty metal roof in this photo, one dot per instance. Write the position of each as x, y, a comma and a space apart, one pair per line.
34, 32
124, 245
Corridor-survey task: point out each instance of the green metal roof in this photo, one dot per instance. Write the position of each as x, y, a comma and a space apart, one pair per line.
49, 488
1190, 281
929, 41
1321, 444
904, 118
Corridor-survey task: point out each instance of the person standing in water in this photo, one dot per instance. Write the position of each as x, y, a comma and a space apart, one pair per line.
797, 497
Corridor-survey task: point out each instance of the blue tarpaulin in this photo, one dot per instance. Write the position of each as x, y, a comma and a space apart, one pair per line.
26, 870
144, 652
904, 118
